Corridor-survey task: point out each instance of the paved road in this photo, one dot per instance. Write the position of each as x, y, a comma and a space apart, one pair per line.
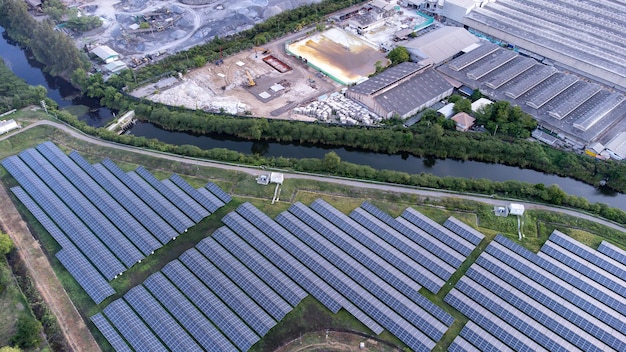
339, 180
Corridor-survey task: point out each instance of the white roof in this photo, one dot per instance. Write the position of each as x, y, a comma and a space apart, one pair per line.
277, 177
618, 145
447, 110
516, 209
441, 44
104, 52
265, 95
480, 103
277, 87
596, 147
115, 66
8, 125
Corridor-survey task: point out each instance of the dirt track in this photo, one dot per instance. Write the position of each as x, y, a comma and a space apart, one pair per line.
71, 323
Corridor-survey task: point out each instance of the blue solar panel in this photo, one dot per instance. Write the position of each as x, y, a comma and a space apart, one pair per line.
153, 199
42, 217
444, 235
109, 332
515, 316
412, 269
211, 203
218, 192
603, 279
477, 339
362, 299
163, 205
433, 245
365, 256
285, 262
272, 277
83, 208
596, 301
571, 309
119, 216
490, 322
134, 330
190, 207
534, 305
414, 312
135, 206
222, 286
460, 228
205, 333
65, 219
161, 322
612, 251
85, 274
601, 264
408, 247
212, 307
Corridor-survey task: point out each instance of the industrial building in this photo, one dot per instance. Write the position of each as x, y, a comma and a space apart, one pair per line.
401, 90
105, 53
560, 101
8, 126
585, 37
440, 45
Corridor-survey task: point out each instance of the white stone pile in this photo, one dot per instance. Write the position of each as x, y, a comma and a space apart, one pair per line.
337, 108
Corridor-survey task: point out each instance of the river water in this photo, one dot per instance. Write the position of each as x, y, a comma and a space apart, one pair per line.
22, 64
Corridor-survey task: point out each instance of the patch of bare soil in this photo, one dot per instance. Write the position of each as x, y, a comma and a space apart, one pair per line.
71, 323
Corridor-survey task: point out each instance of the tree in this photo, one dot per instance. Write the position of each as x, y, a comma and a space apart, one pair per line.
28, 330
331, 161
10, 349
462, 105
6, 245
398, 55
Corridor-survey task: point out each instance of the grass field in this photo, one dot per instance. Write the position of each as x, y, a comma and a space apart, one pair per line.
310, 315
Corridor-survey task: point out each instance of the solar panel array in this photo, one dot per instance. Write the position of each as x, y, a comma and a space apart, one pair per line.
105, 221
233, 287
568, 297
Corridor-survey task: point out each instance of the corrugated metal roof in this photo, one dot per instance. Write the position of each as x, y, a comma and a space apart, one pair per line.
386, 78
413, 93
442, 44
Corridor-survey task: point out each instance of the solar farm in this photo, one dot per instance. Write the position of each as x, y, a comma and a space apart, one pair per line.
233, 287
105, 219
559, 100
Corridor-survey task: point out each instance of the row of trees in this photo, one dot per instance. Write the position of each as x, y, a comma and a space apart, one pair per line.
431, 135
15, 93
50, 47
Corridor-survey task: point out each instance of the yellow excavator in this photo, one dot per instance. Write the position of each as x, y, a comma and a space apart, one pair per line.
251, 82
262, 50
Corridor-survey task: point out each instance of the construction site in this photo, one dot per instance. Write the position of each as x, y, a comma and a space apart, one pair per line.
301, 76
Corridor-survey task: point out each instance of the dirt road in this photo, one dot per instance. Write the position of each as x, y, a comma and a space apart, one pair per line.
71, 323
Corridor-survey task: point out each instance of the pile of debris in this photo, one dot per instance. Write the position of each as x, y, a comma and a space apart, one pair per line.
338, 108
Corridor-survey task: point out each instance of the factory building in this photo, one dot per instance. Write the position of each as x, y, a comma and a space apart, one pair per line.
402, 90
559, 100
440, 45
584, 37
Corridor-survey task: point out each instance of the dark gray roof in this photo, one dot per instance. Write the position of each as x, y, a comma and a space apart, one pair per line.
414, 92
386, 78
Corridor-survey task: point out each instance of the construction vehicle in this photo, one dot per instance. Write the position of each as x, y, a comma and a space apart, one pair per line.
251, 82
221, 59
262, 50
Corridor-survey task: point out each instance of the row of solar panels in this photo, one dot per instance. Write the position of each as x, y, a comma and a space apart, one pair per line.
221, 295
333, 257
104, 226
566, 298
